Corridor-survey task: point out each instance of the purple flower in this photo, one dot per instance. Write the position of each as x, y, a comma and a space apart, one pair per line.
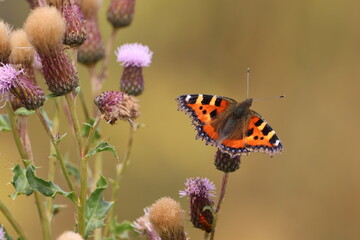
8, 74
134, 57
134, 54
15, 82
201, 192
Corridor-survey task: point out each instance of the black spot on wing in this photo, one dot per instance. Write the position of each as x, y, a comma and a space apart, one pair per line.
204, 111
213, 113
259, 122
266, 130
250, 132
218, 102
206, 99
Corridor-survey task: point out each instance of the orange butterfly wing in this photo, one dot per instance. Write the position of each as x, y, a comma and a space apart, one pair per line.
202, 109
260, 137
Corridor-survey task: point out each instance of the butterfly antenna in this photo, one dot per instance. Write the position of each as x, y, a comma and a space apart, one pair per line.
247, 82
281, 96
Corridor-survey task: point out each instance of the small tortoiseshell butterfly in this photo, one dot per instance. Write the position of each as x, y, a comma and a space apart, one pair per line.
229, 125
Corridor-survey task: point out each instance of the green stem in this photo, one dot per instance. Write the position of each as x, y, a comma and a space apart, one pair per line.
83, 168
120, 169
57, 150
71, 103
45, 226
92, 133
12, 221
52, 159
83, 105
221, 198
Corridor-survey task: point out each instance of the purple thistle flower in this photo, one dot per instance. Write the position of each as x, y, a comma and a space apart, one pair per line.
134, 54
201, 192
15, 82
143, 226
133, 57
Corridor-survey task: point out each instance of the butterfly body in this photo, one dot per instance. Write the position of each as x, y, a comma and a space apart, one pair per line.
229, 125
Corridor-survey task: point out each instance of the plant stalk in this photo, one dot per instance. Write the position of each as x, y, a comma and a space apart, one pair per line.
8, 215
45, 226
221, 198
120, 169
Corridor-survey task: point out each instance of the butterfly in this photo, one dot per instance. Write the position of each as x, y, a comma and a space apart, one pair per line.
229, 125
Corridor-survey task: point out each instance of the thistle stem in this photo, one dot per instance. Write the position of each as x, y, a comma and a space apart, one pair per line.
221, 198
109, 46
12, 221
57, 150
92, 133
83, 165
52, 158
45, 226
120, 169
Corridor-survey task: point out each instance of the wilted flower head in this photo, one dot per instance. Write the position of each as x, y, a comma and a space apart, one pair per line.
167, 217
5, 30
121, 12
133, 57
22, 52
45, 27
201, 192
224, 162
143, 226
69, 235
117, 105
15, 82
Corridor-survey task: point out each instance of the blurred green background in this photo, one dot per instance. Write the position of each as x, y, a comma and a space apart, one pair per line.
307, 50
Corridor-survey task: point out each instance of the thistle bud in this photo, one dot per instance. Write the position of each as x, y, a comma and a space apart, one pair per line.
15, 82
69, 235
45, 28
121, 12
117, 105
201, 192
224, 162
133, 57
75, 33
92, 50
167, 217
5, 30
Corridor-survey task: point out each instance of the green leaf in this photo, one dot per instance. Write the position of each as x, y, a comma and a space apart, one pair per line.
4, 123
85, 130
20, 182
24, 112
47, 188
6, 235
103, 146
96, 208
121, 230
73, 171
77, 90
